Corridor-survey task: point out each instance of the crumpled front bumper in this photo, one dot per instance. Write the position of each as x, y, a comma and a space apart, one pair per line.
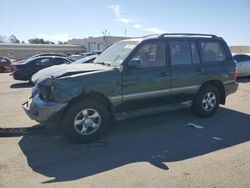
42, 111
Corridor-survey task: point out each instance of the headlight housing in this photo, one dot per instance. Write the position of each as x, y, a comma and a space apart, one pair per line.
46, 92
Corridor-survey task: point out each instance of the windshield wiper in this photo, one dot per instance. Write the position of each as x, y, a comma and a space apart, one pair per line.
102, 63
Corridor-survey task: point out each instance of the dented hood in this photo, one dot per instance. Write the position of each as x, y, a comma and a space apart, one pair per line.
66, 70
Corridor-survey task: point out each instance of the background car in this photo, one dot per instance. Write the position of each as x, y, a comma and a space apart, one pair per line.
44, 54
87, 59
86, 54
243, 64
5, 64
57, 70
25, 70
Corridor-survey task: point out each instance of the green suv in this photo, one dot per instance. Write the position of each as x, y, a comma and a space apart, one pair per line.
136, 77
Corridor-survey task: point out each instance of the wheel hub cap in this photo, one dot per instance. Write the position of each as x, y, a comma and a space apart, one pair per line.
87, 121
209, 101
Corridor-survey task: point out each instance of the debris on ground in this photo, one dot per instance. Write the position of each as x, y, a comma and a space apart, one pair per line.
195, 126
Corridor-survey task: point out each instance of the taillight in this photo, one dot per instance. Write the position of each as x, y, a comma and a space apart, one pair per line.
235, 74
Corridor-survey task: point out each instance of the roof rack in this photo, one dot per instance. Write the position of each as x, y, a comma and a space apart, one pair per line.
151, 35
186, 34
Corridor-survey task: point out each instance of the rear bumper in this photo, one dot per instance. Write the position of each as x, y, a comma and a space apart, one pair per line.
42, 111
231, 88
19, 76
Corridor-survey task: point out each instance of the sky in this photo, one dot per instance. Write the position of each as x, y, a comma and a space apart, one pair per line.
60, 20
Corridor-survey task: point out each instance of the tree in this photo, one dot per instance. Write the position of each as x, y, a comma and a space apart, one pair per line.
13, 39
39, 41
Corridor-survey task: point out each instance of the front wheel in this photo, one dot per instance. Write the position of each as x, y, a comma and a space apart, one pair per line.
207, 101
85, 121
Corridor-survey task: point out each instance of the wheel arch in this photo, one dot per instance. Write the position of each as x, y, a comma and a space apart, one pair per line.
94, 96
220, 87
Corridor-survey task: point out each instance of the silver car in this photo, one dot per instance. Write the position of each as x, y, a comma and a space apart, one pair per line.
242, 64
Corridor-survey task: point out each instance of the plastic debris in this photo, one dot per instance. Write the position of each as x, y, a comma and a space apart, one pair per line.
217, 138
195, 126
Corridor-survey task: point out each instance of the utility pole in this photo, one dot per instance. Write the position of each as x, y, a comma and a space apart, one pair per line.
105, 34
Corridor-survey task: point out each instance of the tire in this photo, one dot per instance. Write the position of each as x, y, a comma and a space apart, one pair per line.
207, 101
2, 69
78, 119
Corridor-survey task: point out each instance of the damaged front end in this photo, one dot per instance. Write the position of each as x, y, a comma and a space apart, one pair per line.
42, 106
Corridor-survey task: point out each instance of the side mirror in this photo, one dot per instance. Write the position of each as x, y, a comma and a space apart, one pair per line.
134, 63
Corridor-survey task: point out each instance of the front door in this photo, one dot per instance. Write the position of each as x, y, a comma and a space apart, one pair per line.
147, 84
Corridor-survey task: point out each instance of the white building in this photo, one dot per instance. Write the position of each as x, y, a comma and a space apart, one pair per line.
96, 43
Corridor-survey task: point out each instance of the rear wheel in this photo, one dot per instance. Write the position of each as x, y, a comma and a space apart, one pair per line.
207, 101
85, 121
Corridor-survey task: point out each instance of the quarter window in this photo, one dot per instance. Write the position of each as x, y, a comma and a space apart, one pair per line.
212, 51
180, 52
151, 55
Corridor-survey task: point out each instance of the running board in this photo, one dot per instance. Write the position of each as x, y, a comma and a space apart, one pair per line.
152, 110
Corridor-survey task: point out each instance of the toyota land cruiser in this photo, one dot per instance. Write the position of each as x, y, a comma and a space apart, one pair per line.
136, 77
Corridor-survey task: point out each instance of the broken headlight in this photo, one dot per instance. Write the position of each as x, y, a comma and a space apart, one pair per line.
46, 92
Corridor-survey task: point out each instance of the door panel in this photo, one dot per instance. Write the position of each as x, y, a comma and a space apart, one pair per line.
148, 84
187, 72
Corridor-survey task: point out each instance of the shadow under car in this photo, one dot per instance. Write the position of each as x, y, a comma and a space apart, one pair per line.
156, 139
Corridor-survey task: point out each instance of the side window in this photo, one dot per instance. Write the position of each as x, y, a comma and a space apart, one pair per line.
151, 55
180, 52
240, 58
44, 61
59, 61
2, 60
195, 53
212, 51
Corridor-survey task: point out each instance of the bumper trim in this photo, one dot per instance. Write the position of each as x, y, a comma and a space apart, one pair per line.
42, 111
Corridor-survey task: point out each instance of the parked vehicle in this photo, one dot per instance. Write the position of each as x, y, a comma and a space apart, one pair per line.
242, 64
82, 55
5, 64
25, 70
136, 77
59, 70
44, 54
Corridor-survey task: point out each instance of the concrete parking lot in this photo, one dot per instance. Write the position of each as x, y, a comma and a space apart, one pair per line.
154, 151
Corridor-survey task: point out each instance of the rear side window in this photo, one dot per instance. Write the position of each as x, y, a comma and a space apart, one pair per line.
212, 51
59, 61
44, 61
2, 60
180, 52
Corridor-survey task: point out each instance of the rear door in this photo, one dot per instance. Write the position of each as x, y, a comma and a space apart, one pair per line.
217, 60
187, 72
148, 84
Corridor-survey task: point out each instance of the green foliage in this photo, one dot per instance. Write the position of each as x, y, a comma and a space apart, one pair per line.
40, 41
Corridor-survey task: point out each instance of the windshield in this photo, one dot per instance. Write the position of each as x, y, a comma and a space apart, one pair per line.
116, 53
87, 59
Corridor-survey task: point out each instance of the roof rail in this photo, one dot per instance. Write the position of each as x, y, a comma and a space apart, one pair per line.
151, 35
187, 34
